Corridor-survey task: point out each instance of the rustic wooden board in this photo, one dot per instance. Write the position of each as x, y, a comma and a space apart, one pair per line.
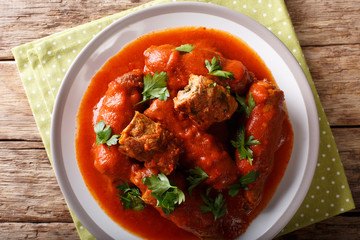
314, 20
335, 71
320, 23
39, 231
31, 203
37, 19
29, 190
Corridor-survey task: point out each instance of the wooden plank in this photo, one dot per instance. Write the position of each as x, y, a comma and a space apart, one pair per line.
24, 21
39, 231
335, 71
339, 227
29, 190
316, 22
325, 22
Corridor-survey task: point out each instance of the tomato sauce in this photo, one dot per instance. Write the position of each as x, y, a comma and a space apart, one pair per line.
148, 223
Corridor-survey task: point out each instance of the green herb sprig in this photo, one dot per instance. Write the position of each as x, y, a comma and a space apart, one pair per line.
243, 181
103, 134
216, 206
243, 146
246, 107
155, 87
212, 84
185, 48
228, 88
168, 196
196, 176
215, 69
130, 197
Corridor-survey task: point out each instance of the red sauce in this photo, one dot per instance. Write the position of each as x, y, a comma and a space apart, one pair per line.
148, 223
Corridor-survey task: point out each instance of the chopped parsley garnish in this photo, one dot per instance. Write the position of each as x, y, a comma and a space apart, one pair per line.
243, 146
168, 196
212, 84
243, 181
185, 48
246, 107
216, 206
130, 197
113, 140
197, 175
155, 87
215, 69
103, 134
228, 88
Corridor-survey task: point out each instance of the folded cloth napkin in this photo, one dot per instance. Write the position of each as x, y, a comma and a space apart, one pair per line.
43, 63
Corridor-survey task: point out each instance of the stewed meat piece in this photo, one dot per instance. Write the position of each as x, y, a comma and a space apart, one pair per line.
265, 125
205, 102
149, 142
188, 214
121, 96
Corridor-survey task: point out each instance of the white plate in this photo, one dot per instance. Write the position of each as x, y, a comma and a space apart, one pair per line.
285, 69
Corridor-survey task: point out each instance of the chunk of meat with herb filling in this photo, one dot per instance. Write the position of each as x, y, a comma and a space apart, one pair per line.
205, 102
149, 142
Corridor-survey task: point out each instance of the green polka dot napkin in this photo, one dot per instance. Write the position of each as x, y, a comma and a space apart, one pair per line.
43, 63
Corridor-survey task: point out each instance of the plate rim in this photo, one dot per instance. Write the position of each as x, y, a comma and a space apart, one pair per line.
193, 7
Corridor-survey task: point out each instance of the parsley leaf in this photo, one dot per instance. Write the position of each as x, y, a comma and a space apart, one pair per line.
168, 196
243, 146
103, 134
155, 87
197, 175
250, 177
228, 88
213, 66
212, 84
215, 69
216, 206
234, 189
131, 197
113, 140
246, 107
185, 48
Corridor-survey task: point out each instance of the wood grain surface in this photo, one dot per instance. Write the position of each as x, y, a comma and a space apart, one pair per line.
31, 204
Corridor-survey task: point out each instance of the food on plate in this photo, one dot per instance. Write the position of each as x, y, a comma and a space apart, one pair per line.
149, 142
262, 124
205, 101
183, 134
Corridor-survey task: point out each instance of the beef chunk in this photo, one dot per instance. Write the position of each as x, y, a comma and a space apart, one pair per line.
149, 142
205, 102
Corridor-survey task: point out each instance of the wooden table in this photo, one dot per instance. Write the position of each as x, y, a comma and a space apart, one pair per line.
31, 204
